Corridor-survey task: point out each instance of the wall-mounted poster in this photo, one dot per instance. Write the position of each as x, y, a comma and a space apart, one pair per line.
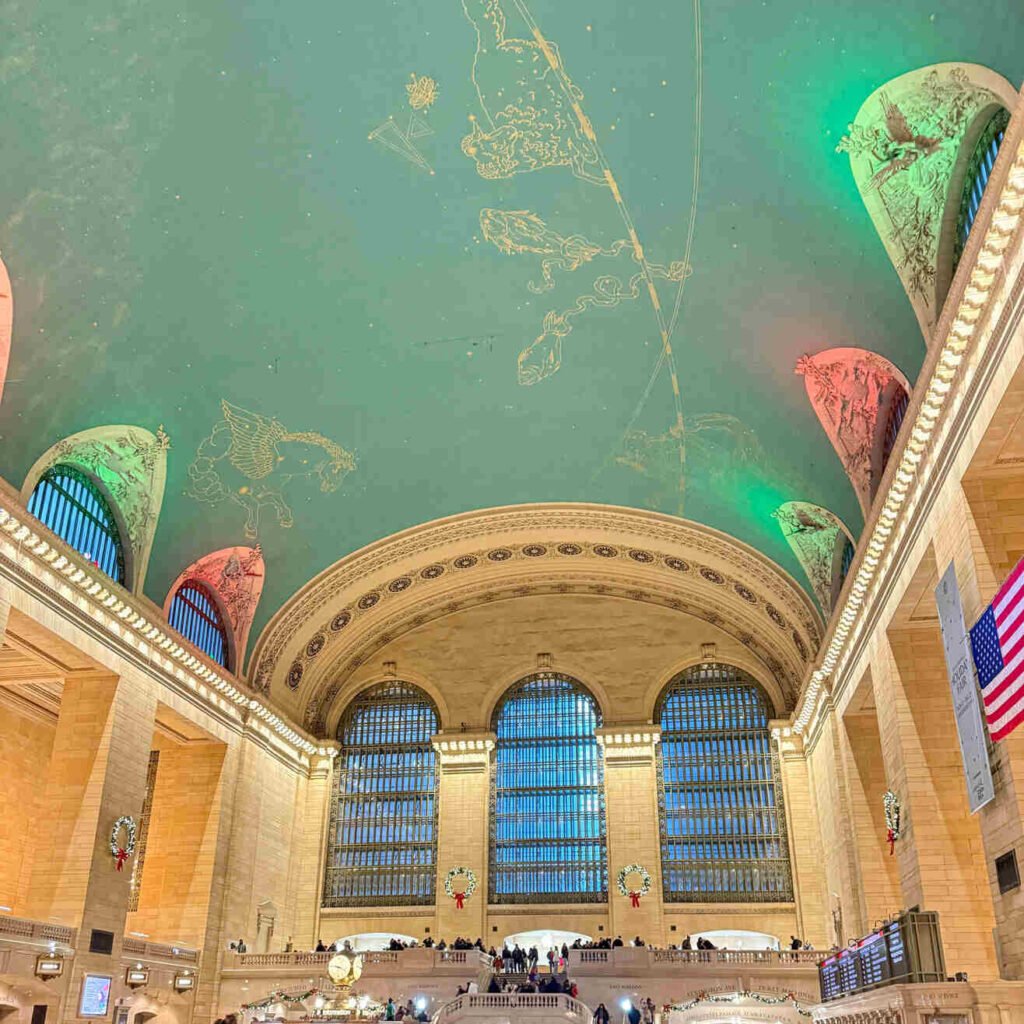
95, 996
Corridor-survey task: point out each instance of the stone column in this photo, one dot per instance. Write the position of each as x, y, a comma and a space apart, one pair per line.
310, 852
96, 774
463, 798
941, 855
804, 841
634, 836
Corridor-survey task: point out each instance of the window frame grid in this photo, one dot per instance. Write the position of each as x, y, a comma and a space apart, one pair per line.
717, 868
205, 628
72, 506
591, 852
410, 879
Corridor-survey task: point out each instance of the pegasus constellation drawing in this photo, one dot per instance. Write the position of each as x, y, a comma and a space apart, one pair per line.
251, 459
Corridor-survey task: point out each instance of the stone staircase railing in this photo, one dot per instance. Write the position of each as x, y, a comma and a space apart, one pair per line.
520, 1006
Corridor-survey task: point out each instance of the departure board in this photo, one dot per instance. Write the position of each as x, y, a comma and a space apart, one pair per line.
906, 949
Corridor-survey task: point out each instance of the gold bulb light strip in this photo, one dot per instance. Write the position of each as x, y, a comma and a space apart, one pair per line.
128, 624
894, 518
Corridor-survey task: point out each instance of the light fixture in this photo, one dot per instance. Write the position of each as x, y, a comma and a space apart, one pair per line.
49, 965
136, 976
184, 980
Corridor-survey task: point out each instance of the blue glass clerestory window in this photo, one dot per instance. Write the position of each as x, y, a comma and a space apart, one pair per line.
382, 837
194, 614
71, 505
723, 825
547, 816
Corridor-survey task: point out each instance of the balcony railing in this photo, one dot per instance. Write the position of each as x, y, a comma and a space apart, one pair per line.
763, 957
525, 1005
21, 929
144, 950
417, 958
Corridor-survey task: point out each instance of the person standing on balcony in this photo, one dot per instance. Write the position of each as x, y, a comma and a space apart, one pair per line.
533, 957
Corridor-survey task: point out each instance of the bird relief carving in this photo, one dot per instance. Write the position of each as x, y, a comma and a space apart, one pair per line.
903, 148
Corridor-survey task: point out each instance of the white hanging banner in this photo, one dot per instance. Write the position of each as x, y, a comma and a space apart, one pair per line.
960, 665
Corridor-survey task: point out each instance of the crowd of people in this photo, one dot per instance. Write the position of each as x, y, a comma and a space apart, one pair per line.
407, 1014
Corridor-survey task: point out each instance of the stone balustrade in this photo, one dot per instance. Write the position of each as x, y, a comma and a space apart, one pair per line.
37, 933
514, 1006
141, 949
757, 957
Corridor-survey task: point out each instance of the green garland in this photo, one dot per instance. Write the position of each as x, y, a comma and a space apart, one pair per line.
280, 997
735, 997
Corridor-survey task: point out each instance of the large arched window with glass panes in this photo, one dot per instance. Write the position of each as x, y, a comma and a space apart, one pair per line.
70, 504
195, 614
979, 168
547, 813
723, 824
382, 839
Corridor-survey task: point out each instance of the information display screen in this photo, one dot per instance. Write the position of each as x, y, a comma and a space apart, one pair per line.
904, 950
95, 996
873, 960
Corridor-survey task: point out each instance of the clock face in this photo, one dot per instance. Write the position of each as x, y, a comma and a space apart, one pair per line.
357, 967
338, 968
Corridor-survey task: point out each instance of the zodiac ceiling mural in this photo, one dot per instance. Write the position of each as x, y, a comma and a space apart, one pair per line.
468, 253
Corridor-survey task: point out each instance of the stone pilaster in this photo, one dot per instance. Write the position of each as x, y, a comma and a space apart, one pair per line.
804, 840
634, 836
463, 799
310, 852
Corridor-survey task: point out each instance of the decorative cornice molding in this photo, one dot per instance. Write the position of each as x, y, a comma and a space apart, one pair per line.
331, 626
923, 450
38, 561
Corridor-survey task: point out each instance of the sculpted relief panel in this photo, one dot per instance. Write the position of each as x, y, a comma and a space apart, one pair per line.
905, 148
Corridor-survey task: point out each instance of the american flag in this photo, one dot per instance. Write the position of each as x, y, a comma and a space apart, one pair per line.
997, 643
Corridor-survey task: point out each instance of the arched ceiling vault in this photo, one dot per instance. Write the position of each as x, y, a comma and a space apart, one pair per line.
353, 610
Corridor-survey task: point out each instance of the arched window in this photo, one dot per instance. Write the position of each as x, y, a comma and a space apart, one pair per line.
194, 614
842, 559
382, 841
893, 422
74, 508
723, 825
979, 168
547, 824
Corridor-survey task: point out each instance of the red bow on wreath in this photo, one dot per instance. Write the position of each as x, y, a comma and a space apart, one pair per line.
634, 898
460, 900
122, 856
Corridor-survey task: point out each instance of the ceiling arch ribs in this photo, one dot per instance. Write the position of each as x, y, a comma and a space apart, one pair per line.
362, 602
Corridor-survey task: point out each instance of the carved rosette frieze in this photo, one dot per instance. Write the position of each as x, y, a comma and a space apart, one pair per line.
359, 606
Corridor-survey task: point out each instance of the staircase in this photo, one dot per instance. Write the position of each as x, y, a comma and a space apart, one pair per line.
513, 1008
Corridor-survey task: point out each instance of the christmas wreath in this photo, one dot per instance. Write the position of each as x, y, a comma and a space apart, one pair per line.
459, 895
645, 883
891, 803
118, 850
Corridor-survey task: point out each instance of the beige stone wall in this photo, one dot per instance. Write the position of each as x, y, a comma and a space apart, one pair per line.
27, 743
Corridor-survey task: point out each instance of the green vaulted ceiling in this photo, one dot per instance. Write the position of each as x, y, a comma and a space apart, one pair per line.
396, 238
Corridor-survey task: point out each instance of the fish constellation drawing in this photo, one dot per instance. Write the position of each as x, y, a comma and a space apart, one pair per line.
251, 460
401, 139
532, 118
522, 232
